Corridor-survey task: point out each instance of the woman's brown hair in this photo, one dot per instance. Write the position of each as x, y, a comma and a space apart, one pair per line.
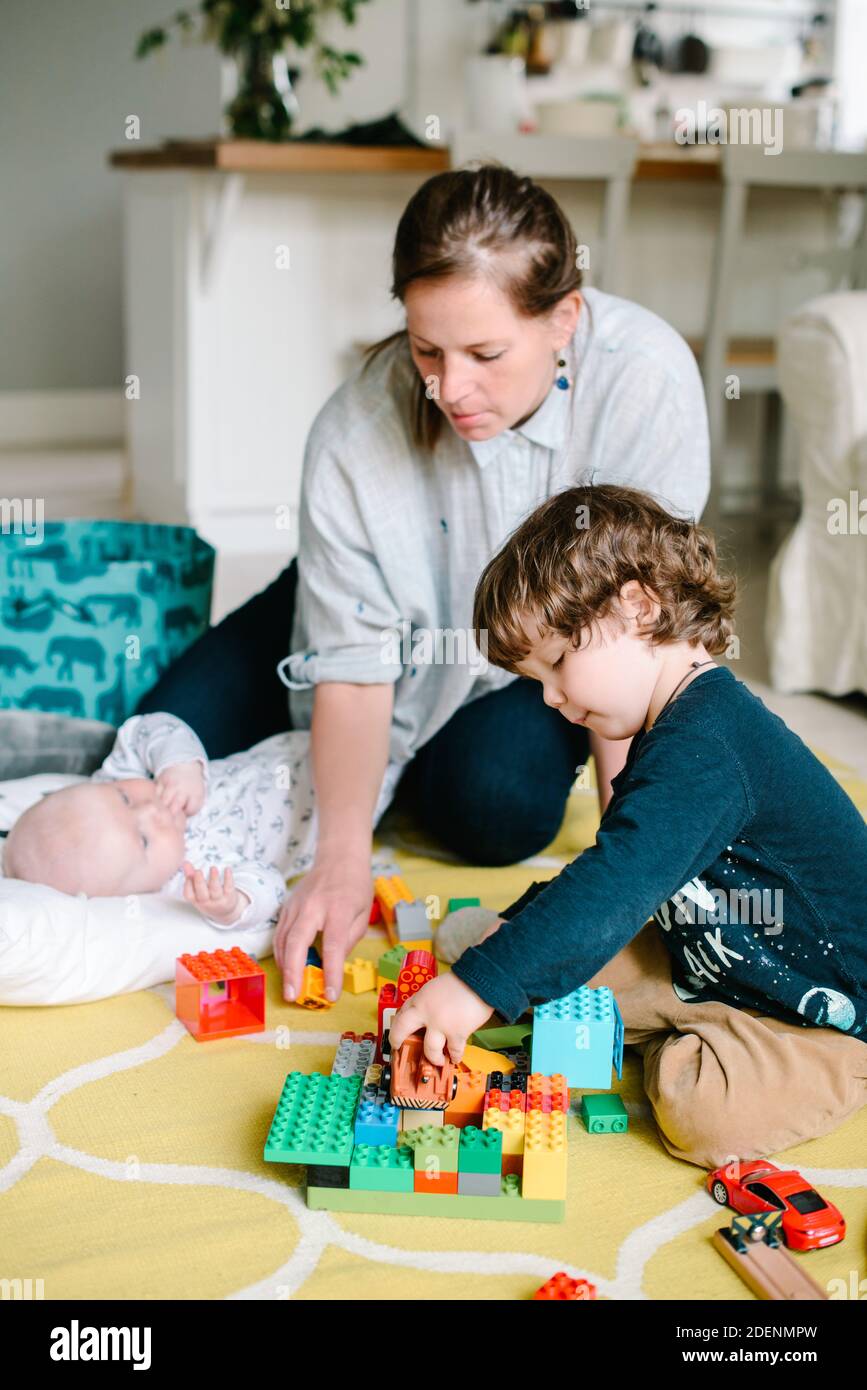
481, 222
566, 564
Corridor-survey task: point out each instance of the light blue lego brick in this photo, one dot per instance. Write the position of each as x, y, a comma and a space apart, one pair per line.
576, 1036
376, 1122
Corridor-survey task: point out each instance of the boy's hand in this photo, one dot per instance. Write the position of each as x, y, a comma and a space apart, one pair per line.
221, 901
182, 787
448, 1010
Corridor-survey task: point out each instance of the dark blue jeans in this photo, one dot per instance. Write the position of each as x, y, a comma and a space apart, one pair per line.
491, 785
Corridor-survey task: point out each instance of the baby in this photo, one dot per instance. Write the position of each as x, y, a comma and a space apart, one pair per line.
158, 818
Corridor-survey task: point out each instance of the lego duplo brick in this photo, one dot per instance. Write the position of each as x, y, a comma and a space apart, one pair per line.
469, 1100
480, 1150
479, 1184
417, 1119
411, 922
327, 1175
377, 1121
575, 1035
511, 1125
438, 1184
515, 1035
378, 1168
506, 1092
388, 966
359, 975
435, 1147
455, 904
354, 1054
510, 1205
563, 1289
545, 1156
220, 994
314, 1120
547, 1093
480, 1059
417, 968
604, 1114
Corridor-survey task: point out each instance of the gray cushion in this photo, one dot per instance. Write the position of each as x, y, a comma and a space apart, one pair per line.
31, 742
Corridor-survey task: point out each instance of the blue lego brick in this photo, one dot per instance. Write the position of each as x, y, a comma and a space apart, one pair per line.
377, 1120
313, 957
577, 1036
314, 1120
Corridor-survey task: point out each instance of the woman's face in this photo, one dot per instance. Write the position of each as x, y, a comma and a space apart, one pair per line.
491, 368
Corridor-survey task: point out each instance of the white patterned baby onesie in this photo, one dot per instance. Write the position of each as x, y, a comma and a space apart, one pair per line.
258, 817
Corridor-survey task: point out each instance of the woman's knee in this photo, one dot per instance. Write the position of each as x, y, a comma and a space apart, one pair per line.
491, 824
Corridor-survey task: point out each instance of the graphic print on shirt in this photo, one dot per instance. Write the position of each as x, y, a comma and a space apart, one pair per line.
748, 967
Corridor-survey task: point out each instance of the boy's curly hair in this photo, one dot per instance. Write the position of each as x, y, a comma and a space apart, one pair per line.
566, 564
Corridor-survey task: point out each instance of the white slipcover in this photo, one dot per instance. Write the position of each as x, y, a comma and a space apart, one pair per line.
817, 604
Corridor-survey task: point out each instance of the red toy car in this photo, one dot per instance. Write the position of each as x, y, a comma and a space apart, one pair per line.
809, 1222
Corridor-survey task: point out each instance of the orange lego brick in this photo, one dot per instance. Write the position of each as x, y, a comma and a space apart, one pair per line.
312, 994
220, 994
438, 1185
388, 893
469, 1101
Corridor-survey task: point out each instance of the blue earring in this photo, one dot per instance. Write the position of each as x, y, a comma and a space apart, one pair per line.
563, 381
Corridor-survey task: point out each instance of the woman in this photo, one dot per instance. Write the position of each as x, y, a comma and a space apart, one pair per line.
507, 384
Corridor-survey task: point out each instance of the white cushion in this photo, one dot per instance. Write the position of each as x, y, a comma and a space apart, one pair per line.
58, 949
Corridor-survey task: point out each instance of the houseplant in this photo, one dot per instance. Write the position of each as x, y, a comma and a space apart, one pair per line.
255, 35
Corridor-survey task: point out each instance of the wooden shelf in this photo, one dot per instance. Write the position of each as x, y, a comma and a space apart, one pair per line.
295, 157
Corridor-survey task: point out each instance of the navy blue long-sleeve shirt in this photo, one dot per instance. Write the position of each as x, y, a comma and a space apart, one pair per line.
726, 829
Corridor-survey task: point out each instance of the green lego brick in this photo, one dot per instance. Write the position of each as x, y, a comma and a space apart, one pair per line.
509, 1206
314, 1120
515, 1035
435, 1147
604, 1114
481, 1150
381, 1168
456, 903
390, 962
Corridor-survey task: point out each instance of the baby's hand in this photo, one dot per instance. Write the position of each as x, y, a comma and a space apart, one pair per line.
448, 1010
182, 787
221, 901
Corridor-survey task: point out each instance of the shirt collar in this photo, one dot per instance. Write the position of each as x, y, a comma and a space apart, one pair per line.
546, 426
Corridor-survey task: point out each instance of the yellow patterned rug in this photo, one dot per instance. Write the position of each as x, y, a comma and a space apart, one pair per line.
131, 1157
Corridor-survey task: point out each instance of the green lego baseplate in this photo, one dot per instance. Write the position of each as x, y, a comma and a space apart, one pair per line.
509, 1206
315, 1120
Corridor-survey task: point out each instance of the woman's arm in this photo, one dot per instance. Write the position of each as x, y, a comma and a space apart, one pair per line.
349, 736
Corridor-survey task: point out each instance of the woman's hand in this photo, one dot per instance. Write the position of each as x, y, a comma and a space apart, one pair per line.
448, 1010
221, 901
333, 898
181, 787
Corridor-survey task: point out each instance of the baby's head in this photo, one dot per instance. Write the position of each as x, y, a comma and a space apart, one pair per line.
104, 839
594, 594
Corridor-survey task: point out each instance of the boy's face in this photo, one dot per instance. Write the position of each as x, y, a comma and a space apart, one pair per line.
608, 683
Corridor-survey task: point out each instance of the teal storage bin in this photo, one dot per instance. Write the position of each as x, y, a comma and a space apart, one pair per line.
92, 615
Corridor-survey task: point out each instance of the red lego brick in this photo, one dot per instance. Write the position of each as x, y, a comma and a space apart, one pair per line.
562, 1287
439, 1185
418, 967
220, 994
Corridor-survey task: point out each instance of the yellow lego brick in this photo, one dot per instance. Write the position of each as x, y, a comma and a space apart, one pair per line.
359, 975
545, 1156
480, 1059
511, 1122
414, 1119
421, 946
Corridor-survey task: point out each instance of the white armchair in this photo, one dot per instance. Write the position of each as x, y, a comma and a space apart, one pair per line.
817, 604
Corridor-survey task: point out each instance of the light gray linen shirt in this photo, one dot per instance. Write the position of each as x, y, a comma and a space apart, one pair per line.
393, 540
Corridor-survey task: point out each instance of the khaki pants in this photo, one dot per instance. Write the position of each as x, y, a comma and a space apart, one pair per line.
727, 1082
